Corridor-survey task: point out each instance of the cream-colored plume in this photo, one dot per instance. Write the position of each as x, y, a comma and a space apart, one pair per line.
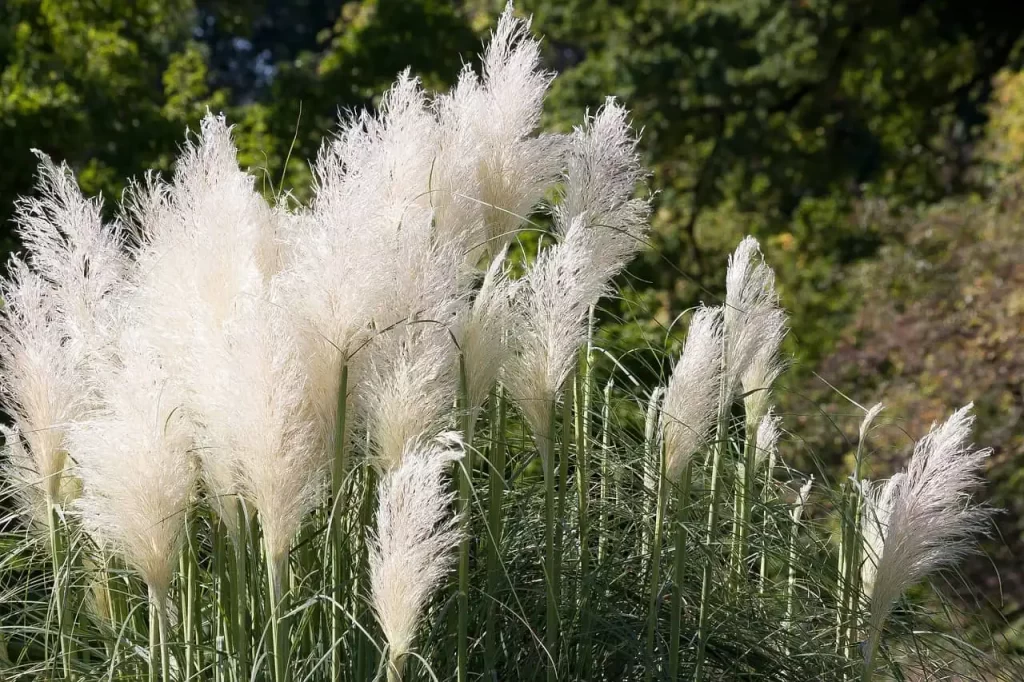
691, 399
410, 551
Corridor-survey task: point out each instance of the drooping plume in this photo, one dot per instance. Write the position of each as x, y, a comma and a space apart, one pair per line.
921, 519
411, 547
869, 419
691, 399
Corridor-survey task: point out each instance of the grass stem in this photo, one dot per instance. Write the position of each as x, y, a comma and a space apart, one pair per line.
682, 512
339, 471
655, 560
711, 532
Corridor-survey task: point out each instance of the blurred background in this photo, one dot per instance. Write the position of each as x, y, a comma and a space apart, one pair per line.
873, 146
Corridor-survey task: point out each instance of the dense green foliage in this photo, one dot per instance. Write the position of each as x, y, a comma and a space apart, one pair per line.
843, 133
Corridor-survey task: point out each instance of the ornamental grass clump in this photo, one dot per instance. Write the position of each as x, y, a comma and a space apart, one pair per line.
385, 434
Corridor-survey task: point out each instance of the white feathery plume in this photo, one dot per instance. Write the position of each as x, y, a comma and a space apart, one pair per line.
254, 403
481, 332
922, 519
367, 257
408, 387
42, 389
453, 188
691, 399
207, 239
877, 507
207, 247
81, 259
131, 452
600, 232
600, 181
60, 309
372, 183
764, 368
753, 319
767, 446
551, 311
515, 167
869, 419
411, 548
328, 285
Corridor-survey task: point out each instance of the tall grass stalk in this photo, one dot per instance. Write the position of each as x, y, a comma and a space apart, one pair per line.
59, 593
791, 560
744, 504
547, 447
651, 465
339, 474
653, 606
159, 651
563, 485
189, 599
495, 492
682, 499
608, 490
277, 579
711, 532
583, 440
463, 476
240, 590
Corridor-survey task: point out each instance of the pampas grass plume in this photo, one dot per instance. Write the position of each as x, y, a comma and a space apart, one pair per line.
754, 325
132, 453
921, 519
691, 398
411, 548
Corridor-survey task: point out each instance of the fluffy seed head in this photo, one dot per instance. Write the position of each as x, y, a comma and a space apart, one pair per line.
60, 309
754, 323
409, 385
550, 325
768, 433
81, 259
515, 167
411, 547
259, 422
481, 332
132, 455
764, 368
42, 388
922, 519
600, 181
691, 399
207, 248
